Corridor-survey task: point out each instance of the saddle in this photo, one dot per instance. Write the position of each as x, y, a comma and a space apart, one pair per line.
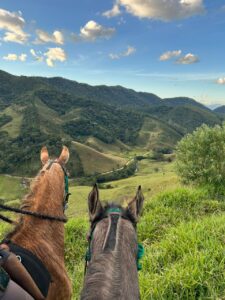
20, 270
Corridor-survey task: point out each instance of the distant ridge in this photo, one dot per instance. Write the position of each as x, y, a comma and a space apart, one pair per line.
109, 94
184, 101
220, 109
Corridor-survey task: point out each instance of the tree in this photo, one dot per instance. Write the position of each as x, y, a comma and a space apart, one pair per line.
201, 158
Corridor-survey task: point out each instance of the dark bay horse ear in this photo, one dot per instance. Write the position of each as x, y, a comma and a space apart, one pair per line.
135, 206
64, 156
94, 204
44, 155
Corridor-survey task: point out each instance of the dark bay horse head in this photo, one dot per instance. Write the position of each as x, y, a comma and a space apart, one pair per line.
113, 249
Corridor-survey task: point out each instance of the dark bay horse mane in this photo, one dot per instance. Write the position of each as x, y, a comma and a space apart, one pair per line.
112, 268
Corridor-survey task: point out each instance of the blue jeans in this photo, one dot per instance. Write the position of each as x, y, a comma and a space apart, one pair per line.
14, 292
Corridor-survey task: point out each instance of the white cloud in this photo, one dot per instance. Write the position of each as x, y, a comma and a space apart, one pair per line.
54, 54
38, 56
14, 37
50, 57
130, 50
92, 31
59, 38
14, 57
12, 23
188, 59
221, 80
170, 54
44, 37
115, 11
10, 56
22, 57
165, 10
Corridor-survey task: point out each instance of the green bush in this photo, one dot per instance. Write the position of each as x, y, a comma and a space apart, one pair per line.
201, 158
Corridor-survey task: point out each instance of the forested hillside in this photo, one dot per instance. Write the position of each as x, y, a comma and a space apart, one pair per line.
35, 111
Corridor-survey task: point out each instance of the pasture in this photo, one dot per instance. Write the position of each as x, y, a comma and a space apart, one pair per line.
182, 230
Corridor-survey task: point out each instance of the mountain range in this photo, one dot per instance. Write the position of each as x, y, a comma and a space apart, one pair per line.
103, 122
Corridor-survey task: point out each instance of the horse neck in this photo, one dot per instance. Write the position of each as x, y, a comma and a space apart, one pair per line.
46, 197
113, 275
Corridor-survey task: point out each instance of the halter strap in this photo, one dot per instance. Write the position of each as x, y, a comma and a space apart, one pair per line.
66, 183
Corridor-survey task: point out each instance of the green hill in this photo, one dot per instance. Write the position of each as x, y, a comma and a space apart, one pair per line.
94, 162
36, 111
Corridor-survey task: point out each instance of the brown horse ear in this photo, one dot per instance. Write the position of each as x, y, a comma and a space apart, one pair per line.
64, 156
94, 204
44, 155
135, 206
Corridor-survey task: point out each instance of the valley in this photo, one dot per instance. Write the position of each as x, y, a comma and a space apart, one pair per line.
109, 124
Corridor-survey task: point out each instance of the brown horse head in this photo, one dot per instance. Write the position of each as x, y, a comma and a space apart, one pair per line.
44, 237
113, 249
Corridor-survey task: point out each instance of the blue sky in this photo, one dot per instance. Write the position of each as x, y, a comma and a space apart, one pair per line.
167, 47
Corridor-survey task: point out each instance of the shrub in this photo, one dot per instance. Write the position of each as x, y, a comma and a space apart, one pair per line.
201, 158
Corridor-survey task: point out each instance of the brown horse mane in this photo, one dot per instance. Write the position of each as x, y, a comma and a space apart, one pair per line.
27, 202
28, 198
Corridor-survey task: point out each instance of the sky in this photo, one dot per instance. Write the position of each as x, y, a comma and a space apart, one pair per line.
167, 47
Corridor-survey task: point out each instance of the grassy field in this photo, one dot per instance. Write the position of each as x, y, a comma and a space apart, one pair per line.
11, 188
182, 230
94, 161
154, 177
116, 148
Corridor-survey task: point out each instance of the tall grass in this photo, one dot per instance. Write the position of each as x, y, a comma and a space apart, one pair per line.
182, 230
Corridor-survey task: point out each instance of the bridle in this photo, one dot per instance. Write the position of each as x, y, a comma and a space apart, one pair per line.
110, 211
41, 215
